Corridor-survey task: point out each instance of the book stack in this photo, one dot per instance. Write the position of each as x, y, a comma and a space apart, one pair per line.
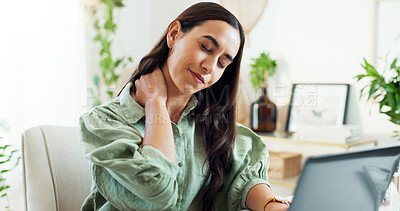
343, 134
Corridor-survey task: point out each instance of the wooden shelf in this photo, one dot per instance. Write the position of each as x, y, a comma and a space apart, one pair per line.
345, 146
307, 149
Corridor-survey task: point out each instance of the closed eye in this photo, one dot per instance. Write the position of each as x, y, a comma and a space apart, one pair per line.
220, 65
209, 51
205, 49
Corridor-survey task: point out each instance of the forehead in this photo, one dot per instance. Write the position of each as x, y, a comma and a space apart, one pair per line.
227, 37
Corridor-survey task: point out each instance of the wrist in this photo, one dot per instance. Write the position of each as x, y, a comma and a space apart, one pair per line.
273, 203
156, 102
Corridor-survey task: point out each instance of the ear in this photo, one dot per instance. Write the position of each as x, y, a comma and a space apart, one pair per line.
173, 31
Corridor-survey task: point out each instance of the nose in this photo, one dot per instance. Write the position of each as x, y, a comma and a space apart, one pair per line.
209, 65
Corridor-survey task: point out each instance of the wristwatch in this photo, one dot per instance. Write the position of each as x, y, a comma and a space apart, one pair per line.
276, 199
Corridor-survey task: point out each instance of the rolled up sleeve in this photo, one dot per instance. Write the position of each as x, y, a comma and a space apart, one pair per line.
251, 154
121, 168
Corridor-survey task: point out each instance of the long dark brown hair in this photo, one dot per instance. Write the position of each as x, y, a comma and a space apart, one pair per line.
216, 106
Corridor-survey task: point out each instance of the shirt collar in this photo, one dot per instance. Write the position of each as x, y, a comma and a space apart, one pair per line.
189, 106
133, 111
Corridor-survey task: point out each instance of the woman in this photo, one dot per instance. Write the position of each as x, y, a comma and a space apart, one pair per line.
169, 141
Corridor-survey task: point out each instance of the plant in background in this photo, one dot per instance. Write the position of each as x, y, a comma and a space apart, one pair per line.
105, 27
263, 111
384, 90
261, 67
7, 156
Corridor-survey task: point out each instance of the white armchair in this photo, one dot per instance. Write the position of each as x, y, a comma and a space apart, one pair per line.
56, 175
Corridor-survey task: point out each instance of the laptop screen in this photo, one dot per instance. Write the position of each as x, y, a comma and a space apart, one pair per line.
347, 182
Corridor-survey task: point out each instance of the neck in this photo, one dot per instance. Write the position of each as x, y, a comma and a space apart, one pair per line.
176, 100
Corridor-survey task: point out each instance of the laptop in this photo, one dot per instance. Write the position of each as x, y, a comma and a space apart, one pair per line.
352, 181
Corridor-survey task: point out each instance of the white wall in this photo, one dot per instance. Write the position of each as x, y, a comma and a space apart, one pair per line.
141, 24
42, 72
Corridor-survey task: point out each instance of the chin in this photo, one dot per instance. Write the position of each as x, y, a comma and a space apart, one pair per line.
188, 90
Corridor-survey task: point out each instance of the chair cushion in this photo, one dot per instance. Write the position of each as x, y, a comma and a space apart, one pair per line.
56, 174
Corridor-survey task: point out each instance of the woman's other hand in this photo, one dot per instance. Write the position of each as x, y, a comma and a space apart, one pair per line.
151, 87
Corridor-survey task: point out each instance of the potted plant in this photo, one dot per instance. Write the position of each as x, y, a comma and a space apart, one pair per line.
105, 27
262, 67
6, 158
263, 111
384, 89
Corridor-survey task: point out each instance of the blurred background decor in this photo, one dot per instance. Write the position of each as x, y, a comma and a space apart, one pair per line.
106, 75
317, 104
263, 111
247, 11
383, 88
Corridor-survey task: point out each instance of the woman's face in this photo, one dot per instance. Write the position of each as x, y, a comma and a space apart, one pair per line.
199, 57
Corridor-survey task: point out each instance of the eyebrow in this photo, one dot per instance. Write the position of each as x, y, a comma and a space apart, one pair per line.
215, 42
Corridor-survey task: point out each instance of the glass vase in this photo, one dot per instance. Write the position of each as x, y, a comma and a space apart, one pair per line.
263, 114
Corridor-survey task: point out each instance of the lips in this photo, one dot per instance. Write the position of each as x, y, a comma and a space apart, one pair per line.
198, 76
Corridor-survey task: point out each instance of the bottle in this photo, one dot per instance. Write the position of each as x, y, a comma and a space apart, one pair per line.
263, 113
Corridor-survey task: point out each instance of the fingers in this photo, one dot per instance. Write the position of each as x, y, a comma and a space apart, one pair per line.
151, 86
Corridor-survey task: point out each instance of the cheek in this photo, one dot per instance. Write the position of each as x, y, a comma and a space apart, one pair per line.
174, 63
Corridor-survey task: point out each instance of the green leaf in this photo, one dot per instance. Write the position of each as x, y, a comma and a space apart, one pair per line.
117, 62
361, 92
105, 64
393, 65
359, 77
91, 92
395, 121
5, 161
98, 37
4, 171
371, 71
2, 188
110, 26
103, 51
110, 93
96, 24
387, 88
96, 103
96, 80
259, 65
118, 3
392, 100
397, 98
372, 89
5, 146
105, 47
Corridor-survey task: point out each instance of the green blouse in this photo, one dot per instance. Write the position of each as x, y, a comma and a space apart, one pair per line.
129, 177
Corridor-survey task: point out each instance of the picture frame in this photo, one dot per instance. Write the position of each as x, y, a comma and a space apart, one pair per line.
317, 103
